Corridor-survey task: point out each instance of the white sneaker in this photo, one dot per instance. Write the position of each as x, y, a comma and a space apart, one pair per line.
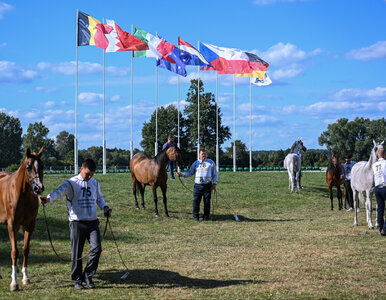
358, 210
350, 209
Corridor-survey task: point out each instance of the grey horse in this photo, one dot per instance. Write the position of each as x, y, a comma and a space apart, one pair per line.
362, 180
293, 164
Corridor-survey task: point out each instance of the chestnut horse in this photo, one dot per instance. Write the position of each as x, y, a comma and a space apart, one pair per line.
333, 178
19, 206
152, 171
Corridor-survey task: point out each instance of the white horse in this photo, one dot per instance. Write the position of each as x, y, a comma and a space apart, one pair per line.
293, 164
362, 180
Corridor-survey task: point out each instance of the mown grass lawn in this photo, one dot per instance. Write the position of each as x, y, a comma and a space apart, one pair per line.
286, 246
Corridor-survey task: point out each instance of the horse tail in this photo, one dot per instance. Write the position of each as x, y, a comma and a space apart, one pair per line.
138, 186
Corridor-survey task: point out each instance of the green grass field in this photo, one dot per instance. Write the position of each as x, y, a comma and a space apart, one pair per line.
286, 246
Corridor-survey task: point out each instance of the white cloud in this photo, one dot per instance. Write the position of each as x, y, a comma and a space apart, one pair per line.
4, 7
90, 98
373, 52
11, 73
379, 93
45, 89
84, 68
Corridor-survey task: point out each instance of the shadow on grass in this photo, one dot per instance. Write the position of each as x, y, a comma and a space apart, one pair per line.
246, 219
149, 278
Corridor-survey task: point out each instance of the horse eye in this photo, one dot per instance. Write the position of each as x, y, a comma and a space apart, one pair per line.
28, 167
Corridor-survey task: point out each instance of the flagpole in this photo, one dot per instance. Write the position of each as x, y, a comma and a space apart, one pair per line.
156, 112
250, 126
132, 86
217, 148
76, 100
198, 107
104, 113
234, 123
178, 111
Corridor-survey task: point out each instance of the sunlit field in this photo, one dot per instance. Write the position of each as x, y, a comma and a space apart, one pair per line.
286, 246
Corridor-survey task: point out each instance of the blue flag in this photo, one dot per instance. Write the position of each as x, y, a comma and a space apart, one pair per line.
178, 66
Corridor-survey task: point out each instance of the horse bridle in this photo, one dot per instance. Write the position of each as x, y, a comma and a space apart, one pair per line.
32, 180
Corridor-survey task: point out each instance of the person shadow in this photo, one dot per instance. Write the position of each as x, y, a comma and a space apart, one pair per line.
148, 278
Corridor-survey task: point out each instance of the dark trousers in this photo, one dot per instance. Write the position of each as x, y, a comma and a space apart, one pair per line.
80, 231
349, 193
380, 195
170, 166
201, 190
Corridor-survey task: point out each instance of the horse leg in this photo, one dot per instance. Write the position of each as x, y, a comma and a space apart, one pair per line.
12, 232
340, 200
297, 179
376, 209
331, 196
154, 188
369, 209
356, 199
142, 191
135, 190
27, 238
164, 188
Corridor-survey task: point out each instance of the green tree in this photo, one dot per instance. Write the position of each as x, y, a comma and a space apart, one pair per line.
355, 136
64, 146
36, 137
10, 140
242, 154
167, 120
207, 120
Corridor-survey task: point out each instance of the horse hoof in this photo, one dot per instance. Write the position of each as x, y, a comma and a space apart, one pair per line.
14, 287
371, 227
157, 215
137, 207
26, 281
167, 215
143, 208
1, 277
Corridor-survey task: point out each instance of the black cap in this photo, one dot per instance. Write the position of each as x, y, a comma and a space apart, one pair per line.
348, 156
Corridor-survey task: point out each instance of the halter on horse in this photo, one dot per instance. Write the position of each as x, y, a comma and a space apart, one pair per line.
333, 178
152, 171
293, 164
362, 180
19, 206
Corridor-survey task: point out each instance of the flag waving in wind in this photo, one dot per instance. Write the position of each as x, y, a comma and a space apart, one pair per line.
89, 33
120, 40
230, 60
190, 55
152, 42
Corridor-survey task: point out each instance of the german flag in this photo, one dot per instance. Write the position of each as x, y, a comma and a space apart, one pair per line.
87, 29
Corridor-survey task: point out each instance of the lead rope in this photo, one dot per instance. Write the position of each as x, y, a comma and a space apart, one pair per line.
52, 245
216, 193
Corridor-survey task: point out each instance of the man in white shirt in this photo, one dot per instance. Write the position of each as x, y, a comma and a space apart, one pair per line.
83, 194
205, 180
379, 169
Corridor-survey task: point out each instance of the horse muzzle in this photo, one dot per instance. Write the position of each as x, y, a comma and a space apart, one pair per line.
38, 188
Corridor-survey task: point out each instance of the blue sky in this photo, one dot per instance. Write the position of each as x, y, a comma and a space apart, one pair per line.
327, 61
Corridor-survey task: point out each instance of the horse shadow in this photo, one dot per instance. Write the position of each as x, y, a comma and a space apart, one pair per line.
246, 219
149, 278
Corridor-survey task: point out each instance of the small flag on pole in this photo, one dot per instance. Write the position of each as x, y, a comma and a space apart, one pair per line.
262, 82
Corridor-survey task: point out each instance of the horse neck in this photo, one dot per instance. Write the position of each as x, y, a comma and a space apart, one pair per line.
22, 183
371, 160
162, 158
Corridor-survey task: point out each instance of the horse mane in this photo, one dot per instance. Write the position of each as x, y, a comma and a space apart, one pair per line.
161, 155
292, 150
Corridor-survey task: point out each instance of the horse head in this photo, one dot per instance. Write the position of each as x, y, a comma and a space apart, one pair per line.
375, 150
334, 157
175, 155
34, 169
297, 146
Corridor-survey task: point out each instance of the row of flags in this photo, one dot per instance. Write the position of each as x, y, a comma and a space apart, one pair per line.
112, 38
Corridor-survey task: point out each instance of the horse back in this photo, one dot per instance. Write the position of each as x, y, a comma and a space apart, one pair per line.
362, 177
292, 163
145, 169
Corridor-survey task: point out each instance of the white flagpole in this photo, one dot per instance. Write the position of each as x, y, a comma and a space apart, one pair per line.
234, 123
132, 85
156, 111
178, 111
104, 113
217, 148
198, 107
250, 126
76, 100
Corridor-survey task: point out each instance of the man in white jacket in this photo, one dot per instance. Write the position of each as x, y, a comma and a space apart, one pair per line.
83, 194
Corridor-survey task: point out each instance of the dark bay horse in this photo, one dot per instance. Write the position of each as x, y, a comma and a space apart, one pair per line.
19, 206
333, 177
152, 171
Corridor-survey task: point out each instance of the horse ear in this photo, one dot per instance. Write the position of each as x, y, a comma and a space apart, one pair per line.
299, 139
375, 144
41, 151
28, 152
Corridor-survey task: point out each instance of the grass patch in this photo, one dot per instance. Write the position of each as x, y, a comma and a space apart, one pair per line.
287, 246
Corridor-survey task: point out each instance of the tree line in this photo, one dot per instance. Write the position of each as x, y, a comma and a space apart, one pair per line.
345, 136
